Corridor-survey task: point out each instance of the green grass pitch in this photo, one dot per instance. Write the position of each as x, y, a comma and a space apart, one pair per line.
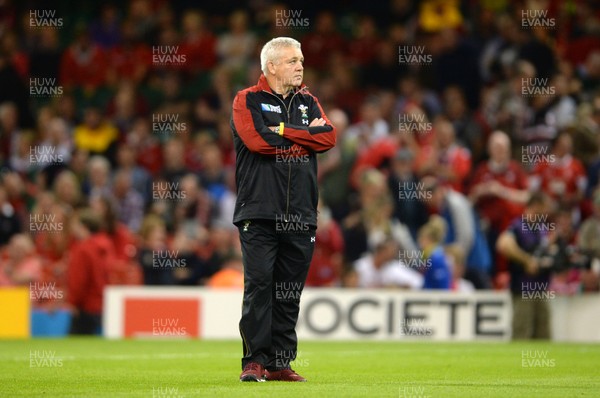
94, 367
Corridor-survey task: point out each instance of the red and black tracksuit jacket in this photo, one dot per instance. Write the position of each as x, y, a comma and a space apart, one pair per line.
276, 175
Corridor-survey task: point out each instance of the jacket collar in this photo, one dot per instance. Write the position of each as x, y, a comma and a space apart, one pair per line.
264, 85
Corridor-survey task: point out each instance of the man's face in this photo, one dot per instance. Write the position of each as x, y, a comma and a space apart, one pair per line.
288, 68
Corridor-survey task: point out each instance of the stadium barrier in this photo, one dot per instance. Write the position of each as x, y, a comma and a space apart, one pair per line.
340, 314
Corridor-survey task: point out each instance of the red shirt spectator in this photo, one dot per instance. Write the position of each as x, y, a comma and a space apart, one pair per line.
87, 273
562, 176
320, 43
363, 48
130, 61
446, 159
499, 186
325, 268
199, 45
494, 208
83, 64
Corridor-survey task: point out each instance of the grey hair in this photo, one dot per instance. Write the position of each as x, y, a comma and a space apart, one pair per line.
270, 49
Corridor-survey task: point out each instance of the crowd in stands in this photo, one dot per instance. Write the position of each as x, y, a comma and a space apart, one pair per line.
130, 164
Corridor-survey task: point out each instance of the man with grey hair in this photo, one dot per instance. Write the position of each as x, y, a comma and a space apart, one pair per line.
278, 128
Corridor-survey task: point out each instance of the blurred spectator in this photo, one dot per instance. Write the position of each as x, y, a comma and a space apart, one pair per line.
372, 127
57, 140
213, 177
9, 130
105, 31
499, 183
130, 57
123, 269
174, 160
566, 278
148, 148
588, 242
199, 44
19, 59
20, 265
91, 255
563, 177
372, 222
589, 72
463, 231
197, 206
470, 128
9, 220
45, 58
236, 47
154, 242
437, 274
13, 91
83, 64
363, 46
405, 186
98, 179
319, 43
383, 269
334, 167
66, 189
326, 265
231, 275
449, 161
95, 134
141, 13
125, 106
129, 203
525, 237
456, 258
141, 181
456, 64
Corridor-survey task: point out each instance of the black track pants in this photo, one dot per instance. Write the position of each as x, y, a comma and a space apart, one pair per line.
276, 261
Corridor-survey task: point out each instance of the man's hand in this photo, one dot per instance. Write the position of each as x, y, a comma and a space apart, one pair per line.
317, 122
532, 266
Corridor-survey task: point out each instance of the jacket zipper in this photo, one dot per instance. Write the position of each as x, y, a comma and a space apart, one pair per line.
287, 111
